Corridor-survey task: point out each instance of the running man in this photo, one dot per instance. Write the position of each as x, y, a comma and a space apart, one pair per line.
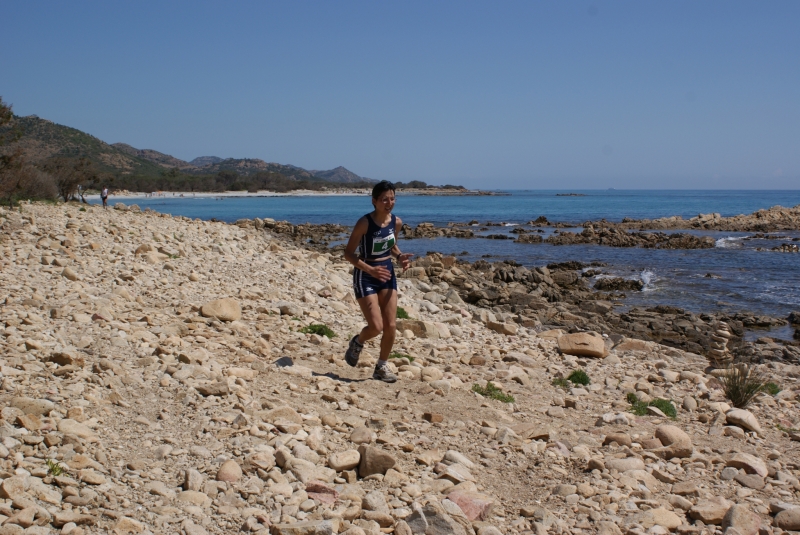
370, 249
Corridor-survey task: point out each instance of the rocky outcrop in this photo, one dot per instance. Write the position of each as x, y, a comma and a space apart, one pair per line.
614, 237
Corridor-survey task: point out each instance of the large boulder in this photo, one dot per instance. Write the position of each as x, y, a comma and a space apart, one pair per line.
788, 519
710, 511
582, 345
623, 465
676, 442
750, 463
226, 309
476, 506
373, 461
742, 519
743, 418
509, 329
433, 520
421, 329
658, 517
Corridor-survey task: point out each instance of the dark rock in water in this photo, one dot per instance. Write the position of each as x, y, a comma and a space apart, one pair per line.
529, 238
541, 220
618, 284
666, 309
572, 264
711, 276
614, 237
497, 237
794, 318
797, 334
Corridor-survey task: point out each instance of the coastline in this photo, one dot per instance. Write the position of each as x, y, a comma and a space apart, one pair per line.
339, 192
175, 362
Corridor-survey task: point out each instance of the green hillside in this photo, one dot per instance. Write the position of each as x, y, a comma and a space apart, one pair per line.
43, 140
54, 148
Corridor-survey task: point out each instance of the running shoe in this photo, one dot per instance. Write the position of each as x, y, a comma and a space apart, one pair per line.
353, 351
383, 373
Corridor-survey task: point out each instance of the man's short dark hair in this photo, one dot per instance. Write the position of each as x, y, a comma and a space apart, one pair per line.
381, 187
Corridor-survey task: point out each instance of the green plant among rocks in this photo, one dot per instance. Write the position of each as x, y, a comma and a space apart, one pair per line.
639, 408
772, 389
402, 314
560, 382
741, 383
396, 355
579, 377
785, 429
491, 391
318, 329
54, 468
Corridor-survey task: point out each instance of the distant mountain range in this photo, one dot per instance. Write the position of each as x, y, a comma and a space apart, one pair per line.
43, 139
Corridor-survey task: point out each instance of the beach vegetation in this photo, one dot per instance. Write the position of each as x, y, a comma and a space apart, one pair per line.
318, 329
491, 391
19, 179
69, 173
785, 429
772, 389
396, 355
402, 314
54, 468
741, 383
639, 408
579, 377
560, 382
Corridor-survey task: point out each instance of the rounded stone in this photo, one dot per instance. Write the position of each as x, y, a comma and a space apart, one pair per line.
788, 519
344, 460
230, 471
361, 435
622, 465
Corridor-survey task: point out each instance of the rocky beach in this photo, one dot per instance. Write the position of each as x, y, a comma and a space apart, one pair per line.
163, 374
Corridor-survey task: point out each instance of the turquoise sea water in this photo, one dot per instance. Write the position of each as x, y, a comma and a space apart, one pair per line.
732, 276
518, 207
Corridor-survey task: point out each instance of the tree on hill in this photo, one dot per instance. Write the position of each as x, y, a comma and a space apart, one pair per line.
70, 173
18, 178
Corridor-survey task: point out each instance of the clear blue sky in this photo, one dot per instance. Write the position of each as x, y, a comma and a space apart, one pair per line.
511, 94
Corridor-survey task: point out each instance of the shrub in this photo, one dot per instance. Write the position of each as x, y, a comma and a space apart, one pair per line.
639, 408
665, 406
402, 314
321, 330
560, 382
741, 383
772, 389
579, 377
491, 391
397, 355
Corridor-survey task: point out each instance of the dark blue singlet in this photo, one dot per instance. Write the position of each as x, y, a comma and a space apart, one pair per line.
375, 249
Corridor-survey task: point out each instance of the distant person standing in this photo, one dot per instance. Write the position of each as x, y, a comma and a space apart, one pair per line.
370, 249
104, 197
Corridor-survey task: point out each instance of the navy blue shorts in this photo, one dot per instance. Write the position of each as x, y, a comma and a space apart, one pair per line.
364, 284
